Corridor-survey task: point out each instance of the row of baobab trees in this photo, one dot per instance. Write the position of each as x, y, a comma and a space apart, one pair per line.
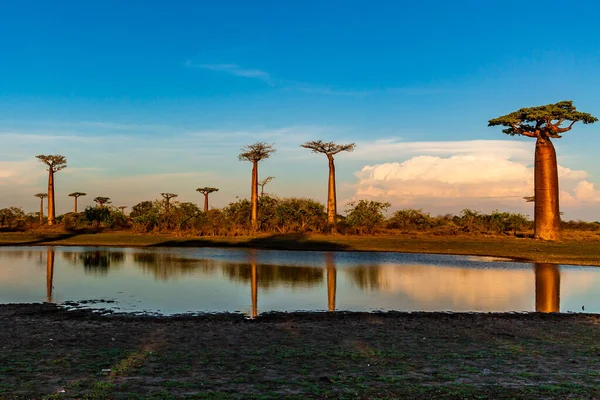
543, 123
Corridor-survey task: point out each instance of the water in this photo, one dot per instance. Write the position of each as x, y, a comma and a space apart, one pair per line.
172, 281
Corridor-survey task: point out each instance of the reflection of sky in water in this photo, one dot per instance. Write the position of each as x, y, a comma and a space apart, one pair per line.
176, 280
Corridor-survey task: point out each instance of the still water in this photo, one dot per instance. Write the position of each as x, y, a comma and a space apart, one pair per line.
172, 281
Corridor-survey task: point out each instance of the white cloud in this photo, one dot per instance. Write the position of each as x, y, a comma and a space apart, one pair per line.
480, 174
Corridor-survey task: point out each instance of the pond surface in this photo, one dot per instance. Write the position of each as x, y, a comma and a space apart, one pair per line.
172, 281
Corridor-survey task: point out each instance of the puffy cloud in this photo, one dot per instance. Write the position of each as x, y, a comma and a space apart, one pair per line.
476, 179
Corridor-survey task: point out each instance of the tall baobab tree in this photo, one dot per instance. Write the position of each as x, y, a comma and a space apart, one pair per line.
206, 191
55, 163
122, 208
254, 153
544, 123
76, 195
168, 197
102, 200
263, 183
330, 149
42, 196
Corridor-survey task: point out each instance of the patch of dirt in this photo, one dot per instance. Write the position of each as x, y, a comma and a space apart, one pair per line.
45, 349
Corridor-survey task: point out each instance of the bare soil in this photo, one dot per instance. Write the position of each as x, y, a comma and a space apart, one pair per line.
49, 352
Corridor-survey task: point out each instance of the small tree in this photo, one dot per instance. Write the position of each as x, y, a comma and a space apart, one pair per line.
330, 149
254, 153
76, 195
122, 208
206, 191
42, 196
55, 163
168, 197
544, 123
101, 201
366, 215
263, 183
96, 215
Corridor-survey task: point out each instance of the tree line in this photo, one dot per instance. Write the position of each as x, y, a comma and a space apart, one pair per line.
266, 213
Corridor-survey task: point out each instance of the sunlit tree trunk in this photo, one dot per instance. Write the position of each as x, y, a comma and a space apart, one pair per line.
205, 202
547, 214
547, 287
331, 196
41, 210
254, 197
51, 210
331, 282
75, 201
49, 274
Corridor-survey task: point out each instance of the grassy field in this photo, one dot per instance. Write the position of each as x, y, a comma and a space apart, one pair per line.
48, 352
579, 249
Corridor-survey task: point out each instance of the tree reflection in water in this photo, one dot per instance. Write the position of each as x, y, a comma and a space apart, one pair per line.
49, 273
167, 266
547, 287
331, 280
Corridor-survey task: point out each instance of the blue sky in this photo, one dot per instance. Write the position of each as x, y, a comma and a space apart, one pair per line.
146, 96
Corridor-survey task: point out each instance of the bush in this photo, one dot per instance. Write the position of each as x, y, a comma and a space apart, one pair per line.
366, 215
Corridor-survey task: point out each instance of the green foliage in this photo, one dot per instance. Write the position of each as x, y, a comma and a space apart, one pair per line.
73, 220
97, 215
410, 219
365, 216
547, 119
12, 218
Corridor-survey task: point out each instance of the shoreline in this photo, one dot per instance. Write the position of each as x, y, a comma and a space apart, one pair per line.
585, 252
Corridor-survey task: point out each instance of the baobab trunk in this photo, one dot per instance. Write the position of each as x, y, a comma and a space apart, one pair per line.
41, 210
331, 198
51, 197
547, 214
75, 208
254, 198
547, 287
205, 202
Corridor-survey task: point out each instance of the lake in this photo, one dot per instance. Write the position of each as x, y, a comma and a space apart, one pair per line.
190, 280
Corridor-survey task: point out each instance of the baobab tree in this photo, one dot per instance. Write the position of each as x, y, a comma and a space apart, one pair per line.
254, 153
206, 191
122, 208
330, 149
42, 196
263, 183
76, 195
102, 201
168, 197
544, 123
55, 163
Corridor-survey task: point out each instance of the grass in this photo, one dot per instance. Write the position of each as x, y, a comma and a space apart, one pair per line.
577, 248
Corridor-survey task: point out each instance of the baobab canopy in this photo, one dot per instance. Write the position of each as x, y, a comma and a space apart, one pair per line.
542, 121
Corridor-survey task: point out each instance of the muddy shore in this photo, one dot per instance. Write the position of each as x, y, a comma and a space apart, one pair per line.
49, 352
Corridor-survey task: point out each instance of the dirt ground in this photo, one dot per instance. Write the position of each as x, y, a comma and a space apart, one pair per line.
48, 352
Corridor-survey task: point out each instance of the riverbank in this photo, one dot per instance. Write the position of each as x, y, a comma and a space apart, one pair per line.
47, 351
576, 249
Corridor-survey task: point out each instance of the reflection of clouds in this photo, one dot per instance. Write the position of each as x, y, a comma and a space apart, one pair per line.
461, 288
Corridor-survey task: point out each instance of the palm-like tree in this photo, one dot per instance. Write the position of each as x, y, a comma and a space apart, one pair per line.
76, 195
42, 196
254, 153
206, 191
122, 208
102, 200
55, 163
544, 123
330, 149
